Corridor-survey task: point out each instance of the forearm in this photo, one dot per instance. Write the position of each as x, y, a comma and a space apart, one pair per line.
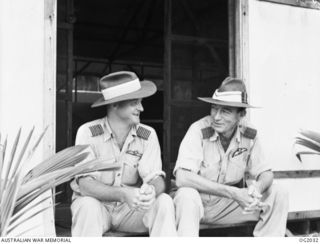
264, 181
189, 179
93, 188
159, 185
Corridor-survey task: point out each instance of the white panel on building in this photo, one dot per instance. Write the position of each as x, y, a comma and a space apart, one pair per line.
284, 79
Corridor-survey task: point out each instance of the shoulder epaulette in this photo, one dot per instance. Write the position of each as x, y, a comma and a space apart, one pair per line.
96, 130
249, 132
207, 132
143, 133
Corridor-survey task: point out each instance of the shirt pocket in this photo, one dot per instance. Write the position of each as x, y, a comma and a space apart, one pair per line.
130, 174
210, 170
107, 177
236, 169
210, 166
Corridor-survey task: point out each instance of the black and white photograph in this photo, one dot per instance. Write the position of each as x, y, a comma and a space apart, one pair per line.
159, 118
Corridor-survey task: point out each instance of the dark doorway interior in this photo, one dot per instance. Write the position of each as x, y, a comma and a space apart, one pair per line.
181, 45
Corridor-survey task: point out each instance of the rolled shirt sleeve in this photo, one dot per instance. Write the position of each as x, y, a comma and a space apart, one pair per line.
190, 153
82, 138
150, 165
258, 163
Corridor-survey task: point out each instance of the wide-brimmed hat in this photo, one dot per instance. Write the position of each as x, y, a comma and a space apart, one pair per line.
232, 92
121, 86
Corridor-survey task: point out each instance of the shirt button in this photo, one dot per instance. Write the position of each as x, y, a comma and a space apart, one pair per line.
118, 174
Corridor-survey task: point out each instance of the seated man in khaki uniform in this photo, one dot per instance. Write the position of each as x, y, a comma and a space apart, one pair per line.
213, 157
130, 199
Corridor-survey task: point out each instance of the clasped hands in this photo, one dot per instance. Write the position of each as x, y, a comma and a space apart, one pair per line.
141, 199
250, 198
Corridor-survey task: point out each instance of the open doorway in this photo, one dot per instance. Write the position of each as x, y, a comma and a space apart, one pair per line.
182, 45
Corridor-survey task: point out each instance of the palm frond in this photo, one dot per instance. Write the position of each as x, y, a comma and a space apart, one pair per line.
20, 188
310, 140
1, 166
8, 206
308, 144
4, 148
25, 210
27, 230
62, 159
19, 212
31, 192
23, 150
9, 164
313, 135
41, 181
33, 149
22, 220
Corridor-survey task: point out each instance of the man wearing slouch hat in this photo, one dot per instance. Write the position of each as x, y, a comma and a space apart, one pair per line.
215, 154
131, 198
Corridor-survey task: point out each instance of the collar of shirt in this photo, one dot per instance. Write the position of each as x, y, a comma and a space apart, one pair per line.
237, 135
107, 130
108, 134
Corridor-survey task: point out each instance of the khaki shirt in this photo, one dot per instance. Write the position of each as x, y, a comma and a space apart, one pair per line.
140, 157
206, 156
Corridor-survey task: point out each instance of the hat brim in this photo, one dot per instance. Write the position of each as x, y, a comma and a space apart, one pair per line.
224, 103
147, 89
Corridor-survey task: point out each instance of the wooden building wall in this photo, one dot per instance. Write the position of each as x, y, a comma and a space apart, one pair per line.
27, 86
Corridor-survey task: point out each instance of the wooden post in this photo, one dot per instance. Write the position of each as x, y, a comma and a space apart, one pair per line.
305, 227
50, 31
69, 85
167, 90
232, 37
241, 39
50, 34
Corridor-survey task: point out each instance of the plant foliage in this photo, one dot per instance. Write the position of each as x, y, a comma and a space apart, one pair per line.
310, 140
20, 187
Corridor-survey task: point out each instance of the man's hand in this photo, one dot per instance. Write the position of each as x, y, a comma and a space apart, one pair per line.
243, 198
147, 196
254, 190
131, 196
141, 198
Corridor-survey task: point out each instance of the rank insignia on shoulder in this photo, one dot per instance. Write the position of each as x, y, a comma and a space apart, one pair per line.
207, 132
249, 132
143, 133
239, 151
96, 130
